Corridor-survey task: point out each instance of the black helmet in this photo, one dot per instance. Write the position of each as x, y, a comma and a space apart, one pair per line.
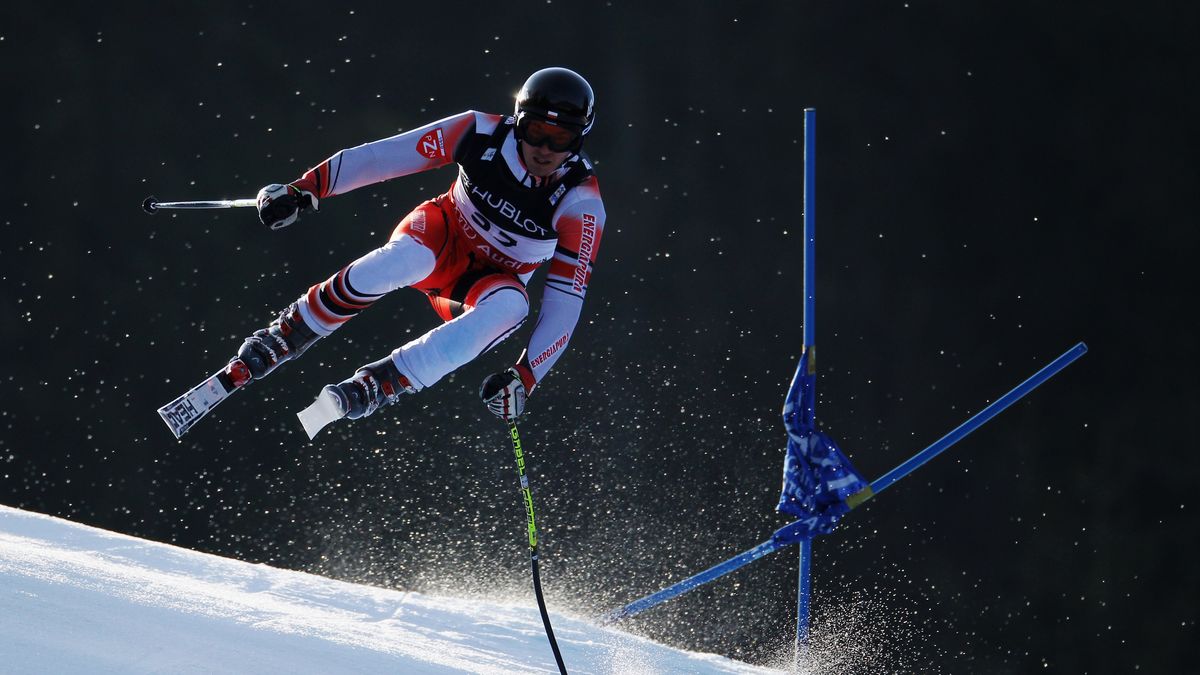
559, 96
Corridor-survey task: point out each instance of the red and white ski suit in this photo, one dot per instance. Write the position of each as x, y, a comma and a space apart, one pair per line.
471, 250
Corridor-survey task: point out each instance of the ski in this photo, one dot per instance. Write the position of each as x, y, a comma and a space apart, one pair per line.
182, 413
321, 412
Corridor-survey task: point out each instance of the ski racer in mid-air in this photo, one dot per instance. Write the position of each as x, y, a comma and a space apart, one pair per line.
525, 195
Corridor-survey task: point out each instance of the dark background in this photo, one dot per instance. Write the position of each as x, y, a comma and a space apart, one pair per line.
996, 182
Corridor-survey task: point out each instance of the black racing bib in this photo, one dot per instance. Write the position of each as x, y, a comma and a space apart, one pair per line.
498, 196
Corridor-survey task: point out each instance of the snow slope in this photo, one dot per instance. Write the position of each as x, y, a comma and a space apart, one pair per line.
78, 599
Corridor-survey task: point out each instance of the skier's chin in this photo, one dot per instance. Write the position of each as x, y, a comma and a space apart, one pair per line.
543, 164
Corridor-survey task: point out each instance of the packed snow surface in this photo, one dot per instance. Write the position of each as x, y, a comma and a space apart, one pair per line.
76, 599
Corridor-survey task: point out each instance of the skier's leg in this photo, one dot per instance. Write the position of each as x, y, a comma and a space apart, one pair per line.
401, 262
405, 260
494, 305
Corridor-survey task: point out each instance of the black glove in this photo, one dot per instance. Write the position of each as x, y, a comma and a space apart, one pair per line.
280, 205
504, 394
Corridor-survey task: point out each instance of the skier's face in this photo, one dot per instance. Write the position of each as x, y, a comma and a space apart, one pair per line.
540, 160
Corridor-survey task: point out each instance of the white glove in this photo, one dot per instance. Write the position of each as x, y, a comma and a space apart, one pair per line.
280, 205
504, 394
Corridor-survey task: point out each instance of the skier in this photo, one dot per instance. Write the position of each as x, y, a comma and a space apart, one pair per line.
525, 194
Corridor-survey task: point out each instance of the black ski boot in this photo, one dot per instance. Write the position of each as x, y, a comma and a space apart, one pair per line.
286, 338
373, 386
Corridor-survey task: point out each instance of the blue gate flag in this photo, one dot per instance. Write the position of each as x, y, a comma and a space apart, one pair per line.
817, 476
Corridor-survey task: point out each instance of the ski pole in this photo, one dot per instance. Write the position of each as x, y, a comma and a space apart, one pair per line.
531, 527
152, 205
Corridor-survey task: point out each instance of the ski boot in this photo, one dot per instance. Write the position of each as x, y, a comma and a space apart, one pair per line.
372, 387
286, 338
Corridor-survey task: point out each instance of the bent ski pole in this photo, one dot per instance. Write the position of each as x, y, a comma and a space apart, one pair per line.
912, 464
531, 527
152, 205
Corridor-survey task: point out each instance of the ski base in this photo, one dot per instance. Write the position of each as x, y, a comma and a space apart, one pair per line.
183, 413
324, 410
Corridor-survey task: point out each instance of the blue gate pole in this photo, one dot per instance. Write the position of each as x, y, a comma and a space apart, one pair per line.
804, 580
855, 500
810, 229
803, 586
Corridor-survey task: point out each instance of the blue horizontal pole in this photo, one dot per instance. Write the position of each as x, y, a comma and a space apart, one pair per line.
746, 557
917, 460
979, 419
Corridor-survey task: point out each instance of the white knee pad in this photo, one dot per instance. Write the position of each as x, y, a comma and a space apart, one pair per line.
401, 262
504, 306
437, 353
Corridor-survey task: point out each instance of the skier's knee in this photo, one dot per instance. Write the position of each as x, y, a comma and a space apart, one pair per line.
507, 304
398, 263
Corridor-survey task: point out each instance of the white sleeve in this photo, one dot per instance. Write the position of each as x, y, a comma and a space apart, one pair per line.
428, 147
580, 224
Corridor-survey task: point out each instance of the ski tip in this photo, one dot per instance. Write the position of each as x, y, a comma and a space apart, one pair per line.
177, 429
317, 416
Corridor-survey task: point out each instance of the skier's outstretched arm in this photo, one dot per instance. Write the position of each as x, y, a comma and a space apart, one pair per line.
421, 149
428, 147
580, 224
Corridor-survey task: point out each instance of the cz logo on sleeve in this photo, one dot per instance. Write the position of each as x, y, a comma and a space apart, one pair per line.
432, 144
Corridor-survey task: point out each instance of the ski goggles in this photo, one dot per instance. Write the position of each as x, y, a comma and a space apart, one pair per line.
538, 132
